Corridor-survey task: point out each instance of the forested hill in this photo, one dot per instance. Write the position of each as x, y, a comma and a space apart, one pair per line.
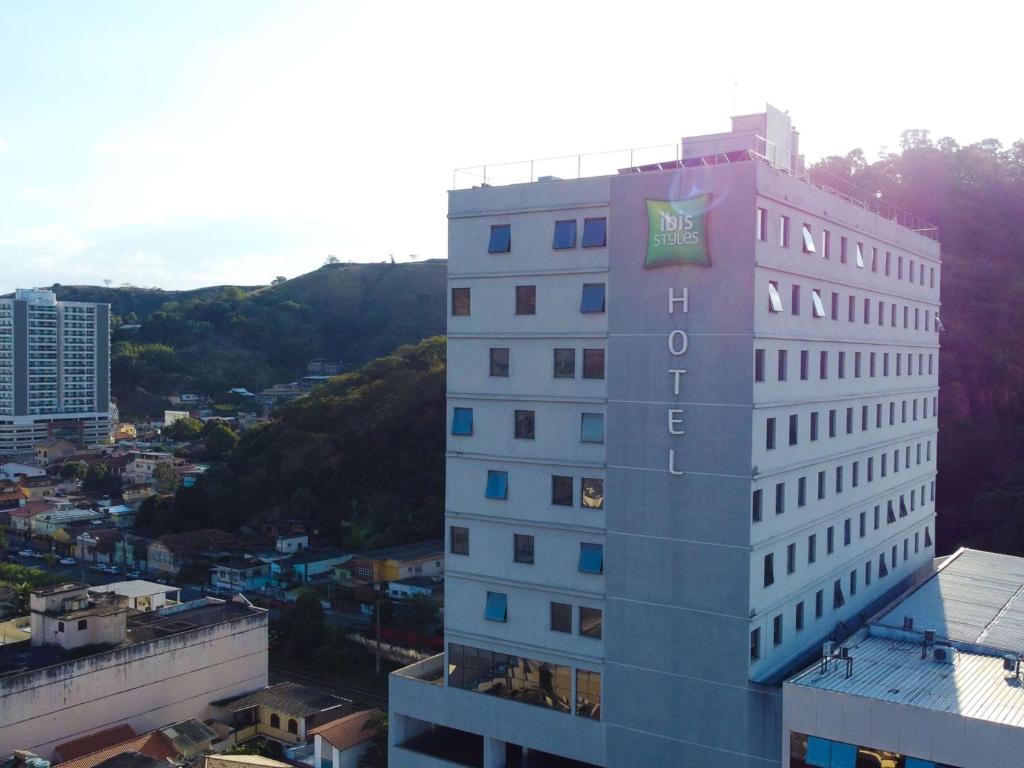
975, 195
213, 339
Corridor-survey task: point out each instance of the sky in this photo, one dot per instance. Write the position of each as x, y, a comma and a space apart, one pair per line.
189, 143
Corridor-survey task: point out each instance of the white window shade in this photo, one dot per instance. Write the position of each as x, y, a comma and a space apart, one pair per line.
808, 240
819, 308
938, 324
774, 300
860, 256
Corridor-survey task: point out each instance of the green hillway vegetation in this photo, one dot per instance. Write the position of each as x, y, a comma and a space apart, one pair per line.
364, 455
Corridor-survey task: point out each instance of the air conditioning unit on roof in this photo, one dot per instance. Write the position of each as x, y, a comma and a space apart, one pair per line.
943, 653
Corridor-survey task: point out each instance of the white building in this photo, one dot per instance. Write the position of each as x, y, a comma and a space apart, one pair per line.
933, 681
93, 663
692, 435
54, 371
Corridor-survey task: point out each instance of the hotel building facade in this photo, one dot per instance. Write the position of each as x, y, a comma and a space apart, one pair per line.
54, 371
692, 416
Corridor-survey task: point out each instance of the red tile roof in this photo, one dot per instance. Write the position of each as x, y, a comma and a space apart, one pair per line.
32, 508
94, 742
346, 732
154, 744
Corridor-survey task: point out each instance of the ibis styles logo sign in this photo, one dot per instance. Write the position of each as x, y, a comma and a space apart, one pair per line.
677, 232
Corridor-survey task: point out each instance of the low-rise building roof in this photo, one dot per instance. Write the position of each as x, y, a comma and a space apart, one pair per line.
153, 744
289, 698
415, 551
346, 732
311, 556
189, 734
134, 588
86, 745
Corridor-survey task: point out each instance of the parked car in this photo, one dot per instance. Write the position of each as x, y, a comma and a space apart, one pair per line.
68, 561
133, 575
27, 553
113, 570
98, 567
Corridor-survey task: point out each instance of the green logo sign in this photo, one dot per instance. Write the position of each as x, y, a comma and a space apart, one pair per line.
677, 232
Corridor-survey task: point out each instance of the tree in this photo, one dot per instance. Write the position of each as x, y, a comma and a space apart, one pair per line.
22, 597
332, 259
220, 442
279, 280
417, 614
165, 478
74, 470
377, 755
305, 626
184, 429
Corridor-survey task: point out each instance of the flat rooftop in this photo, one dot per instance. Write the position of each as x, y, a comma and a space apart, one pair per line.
135, 588
143, 626
974, 603
414, 551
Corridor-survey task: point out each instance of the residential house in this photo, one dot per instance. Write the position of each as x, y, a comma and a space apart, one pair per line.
421, 558
429, 586
14, 471
241, 574
124, 431
122, 515
289, 543
12, 494
21, 517
285, 712
94, 742
40, 486
168, 554
342, 742
48, 523
305, 566
52, 450
143, 595
135, 494
142, 464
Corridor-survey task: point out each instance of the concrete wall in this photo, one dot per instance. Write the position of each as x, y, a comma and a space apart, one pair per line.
146, 685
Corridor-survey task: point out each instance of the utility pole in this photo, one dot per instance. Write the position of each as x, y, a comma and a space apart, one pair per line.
377, 611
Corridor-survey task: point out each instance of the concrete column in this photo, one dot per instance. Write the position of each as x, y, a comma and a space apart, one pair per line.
494, 753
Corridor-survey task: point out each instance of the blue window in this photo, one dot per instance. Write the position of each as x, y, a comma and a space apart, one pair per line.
497, 484
593, 298
462, 421
916, 762
497, 607
591, 558
843, 755
501, 239
595, 233
592, 429
565, 235
819, 752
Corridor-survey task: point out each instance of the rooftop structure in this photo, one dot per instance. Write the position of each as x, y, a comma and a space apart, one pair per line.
933, 679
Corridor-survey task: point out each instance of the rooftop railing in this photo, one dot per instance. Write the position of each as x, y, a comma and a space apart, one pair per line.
669, 156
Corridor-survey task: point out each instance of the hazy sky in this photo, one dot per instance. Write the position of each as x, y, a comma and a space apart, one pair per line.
188, 143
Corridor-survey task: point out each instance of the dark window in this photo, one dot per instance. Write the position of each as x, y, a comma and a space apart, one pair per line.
777, 630
821, 484
830, 540
839, 479
769, 569
812, 548
871, 365
524, 425
851, 312
793, 429
888, 263
293, 726
526, 299
565, 363
842, 250
847, 531
853, 582
501, 239
856, 365
499, 361
593, 363
523, 548
814, 425
769, 437
590, 622
593, 298
592, 492
832, 422
780, 498
83, 623
835, 306
60, 626
755, 644
758, 365
783, 365
801, 492
459, 540
565, 235
795, 299
561, 490
591, 558
799, 618
755, 506
561, 617
823, 365
863, 522
849, 421
790, 558
838, 601
819, 604
462, 421
595, 232
275, 721
804, 364
460, 301
841, 368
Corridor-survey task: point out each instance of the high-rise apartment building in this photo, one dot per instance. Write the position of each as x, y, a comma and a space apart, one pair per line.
692, 411
54, 371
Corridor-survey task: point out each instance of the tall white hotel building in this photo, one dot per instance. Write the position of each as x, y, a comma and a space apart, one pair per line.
692, 435
54, 371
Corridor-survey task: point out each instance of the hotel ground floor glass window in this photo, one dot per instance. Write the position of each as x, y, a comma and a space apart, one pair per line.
529, 681
814, 752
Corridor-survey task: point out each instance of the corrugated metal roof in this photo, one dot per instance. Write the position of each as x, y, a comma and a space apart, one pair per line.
978, 597
972, 686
